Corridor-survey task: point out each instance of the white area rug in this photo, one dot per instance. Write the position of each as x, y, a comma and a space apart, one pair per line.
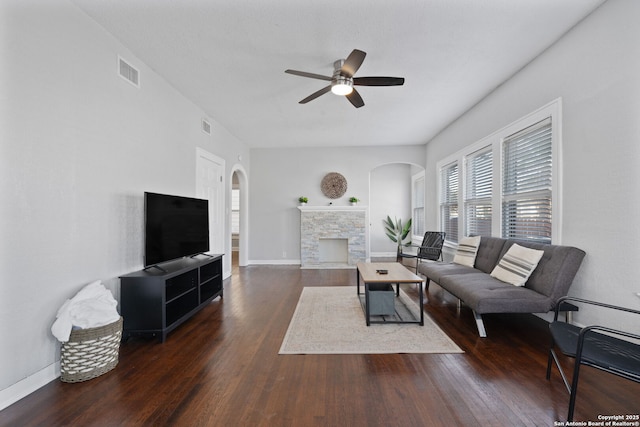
330, 320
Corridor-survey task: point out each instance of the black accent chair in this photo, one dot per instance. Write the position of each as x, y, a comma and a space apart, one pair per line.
430, 249
607, 351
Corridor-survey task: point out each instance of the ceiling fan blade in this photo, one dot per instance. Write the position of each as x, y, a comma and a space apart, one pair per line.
353, 62
316, 94
310, 75
355, 98
378, 81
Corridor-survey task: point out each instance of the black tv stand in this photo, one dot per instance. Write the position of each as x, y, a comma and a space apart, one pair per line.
155, 301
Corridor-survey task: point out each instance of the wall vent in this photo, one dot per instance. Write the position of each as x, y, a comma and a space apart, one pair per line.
206, 127
128, 72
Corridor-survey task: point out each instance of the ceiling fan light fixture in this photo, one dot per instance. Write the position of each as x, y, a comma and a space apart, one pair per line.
342, 81
342, 85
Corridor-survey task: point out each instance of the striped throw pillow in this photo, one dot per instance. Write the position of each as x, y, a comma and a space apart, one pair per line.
517, 264
467, 250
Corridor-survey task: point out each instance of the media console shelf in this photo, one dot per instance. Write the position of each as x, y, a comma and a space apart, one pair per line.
155, 301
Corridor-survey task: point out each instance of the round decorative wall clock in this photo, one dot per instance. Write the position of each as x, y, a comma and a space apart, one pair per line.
333, 185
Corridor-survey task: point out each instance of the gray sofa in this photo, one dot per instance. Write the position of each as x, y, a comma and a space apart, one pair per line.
484, 294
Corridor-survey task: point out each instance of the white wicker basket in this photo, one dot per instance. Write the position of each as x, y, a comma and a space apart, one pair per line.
90, 352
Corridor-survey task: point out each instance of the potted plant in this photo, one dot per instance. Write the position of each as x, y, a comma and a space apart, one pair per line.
354, 201
398, 233
303, 200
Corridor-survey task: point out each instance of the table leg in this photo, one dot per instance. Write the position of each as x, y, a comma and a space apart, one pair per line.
358, 280
366, 303
421, 304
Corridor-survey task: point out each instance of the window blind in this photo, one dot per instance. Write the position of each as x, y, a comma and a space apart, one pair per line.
478, 192
449, 201
235, 211
526, 183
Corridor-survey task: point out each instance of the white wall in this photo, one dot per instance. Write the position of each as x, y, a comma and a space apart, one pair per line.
595, 70
280, 176
79, 146
390, 195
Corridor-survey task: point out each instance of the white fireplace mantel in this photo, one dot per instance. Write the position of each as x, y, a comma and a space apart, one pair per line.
333, 208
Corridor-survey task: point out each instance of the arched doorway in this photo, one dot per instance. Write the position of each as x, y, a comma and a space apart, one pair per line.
394, 190
239, 228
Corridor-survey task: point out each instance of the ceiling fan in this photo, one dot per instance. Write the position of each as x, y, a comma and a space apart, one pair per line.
342, 81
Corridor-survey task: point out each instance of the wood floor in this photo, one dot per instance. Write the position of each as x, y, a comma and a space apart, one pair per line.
222, 368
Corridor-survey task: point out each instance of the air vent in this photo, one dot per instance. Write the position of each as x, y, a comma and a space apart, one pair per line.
128, 72
206, 127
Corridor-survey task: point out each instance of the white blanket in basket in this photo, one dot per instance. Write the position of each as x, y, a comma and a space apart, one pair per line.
91, 307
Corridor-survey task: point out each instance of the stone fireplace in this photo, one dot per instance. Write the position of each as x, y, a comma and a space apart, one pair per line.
333, 236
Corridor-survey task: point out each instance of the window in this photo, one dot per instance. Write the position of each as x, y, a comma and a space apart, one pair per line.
417, 206
526, 184
235, 211
507, 184
478, 191
449, 201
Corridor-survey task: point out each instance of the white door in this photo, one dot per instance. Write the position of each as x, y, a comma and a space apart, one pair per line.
210, 186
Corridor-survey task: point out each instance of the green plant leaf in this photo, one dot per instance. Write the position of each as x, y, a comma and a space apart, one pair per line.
396, 231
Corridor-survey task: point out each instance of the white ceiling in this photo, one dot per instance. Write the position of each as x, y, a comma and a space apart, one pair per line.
229, 57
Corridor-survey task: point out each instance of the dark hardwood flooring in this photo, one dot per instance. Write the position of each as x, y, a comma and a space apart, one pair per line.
222, 368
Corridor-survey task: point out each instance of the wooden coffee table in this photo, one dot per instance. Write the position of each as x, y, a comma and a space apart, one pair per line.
396, 273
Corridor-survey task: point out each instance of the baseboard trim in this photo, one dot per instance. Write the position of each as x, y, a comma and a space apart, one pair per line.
275, 262
383, 254
25, 387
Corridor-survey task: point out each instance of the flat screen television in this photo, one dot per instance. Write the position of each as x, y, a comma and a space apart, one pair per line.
174, 227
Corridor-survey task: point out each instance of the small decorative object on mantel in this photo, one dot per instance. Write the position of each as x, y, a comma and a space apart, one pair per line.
354, 201
333, 185
303, 200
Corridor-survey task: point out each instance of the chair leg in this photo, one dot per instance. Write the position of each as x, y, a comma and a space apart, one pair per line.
574, 389
554, 357
549, 362
426, 284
